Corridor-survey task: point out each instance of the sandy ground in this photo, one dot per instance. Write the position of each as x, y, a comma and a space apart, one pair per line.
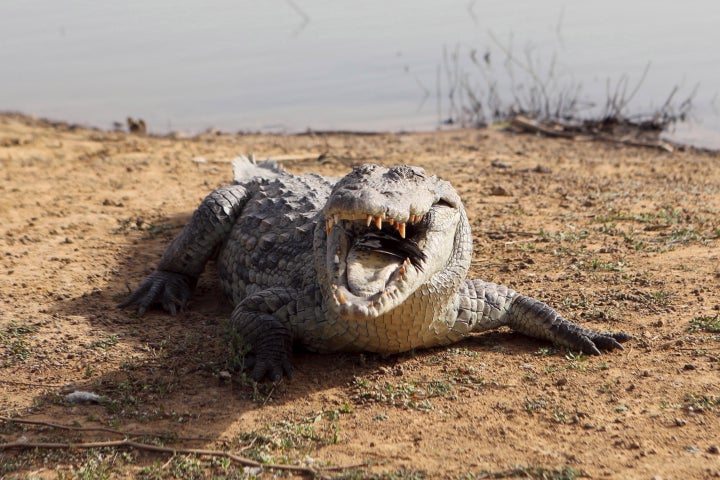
614, 237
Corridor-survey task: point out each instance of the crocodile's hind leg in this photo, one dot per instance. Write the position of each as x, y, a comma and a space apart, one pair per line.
486, 305
184, 260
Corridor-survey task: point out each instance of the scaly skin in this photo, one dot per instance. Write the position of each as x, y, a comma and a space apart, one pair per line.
376, 261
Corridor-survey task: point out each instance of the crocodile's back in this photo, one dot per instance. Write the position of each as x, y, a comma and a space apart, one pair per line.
271, 243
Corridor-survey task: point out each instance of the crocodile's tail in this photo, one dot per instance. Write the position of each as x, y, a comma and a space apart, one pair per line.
245, 169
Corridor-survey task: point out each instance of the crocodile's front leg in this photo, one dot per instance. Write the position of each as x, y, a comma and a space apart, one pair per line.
264, 320
485, 305
184, 260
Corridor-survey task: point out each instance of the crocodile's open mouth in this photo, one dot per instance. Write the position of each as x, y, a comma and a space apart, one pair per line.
375, 263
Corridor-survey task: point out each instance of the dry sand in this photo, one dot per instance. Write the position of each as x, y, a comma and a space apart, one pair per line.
617, 238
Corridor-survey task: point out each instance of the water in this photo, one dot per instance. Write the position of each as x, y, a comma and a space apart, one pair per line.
289, 65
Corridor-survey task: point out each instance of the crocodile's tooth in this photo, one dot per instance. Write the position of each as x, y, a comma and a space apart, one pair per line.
378, 223
336, 217
328, 226
413, 218
342, 298
336, 299
420, 218
401, 229
402, 269
368, 220
334, 286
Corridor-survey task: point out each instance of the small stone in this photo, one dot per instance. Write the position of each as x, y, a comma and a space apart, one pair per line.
224, 376
680, 422
714, 449
500, 164
689, 366
80, 396
500, 191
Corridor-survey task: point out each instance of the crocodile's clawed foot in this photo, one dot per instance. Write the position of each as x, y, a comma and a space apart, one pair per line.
170, 290
593, 343
272, 365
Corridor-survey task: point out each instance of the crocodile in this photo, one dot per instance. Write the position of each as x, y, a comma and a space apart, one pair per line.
376, 261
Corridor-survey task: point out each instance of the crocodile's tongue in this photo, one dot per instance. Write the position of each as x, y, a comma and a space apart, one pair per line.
369, 271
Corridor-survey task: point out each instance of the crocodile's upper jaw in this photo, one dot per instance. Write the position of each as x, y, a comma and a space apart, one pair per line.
388, 232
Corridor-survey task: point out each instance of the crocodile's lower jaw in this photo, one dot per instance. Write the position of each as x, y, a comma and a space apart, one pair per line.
367, 284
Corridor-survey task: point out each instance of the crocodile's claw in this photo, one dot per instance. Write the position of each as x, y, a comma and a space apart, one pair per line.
589, 341
273, 365
604, 341
169, 289
270, 341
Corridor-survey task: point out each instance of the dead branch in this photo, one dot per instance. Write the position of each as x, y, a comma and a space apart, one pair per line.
29, 384
100, 429
156, 448
183, 451
528, 125
636, 143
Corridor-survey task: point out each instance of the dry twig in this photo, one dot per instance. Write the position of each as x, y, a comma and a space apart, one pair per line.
247, 462
156, 448
99, 429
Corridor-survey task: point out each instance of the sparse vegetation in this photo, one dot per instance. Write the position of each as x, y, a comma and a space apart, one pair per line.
14, 340
572, 236
237, 349
106, 342
534, 473
405, 394
701, 402
708, 323
497, 84
661, 230
151, 230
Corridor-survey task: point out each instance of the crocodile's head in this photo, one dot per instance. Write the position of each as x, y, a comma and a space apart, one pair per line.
390, 232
